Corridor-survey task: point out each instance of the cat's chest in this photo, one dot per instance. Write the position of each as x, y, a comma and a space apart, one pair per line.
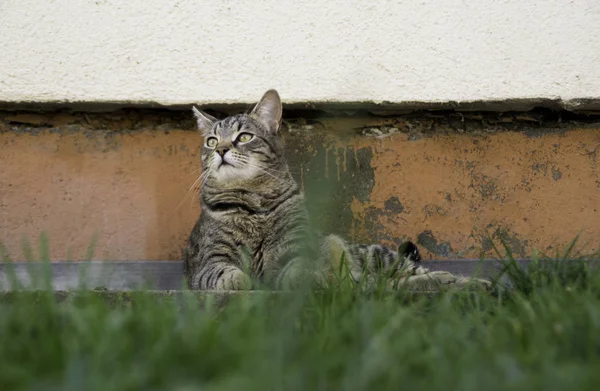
244, 225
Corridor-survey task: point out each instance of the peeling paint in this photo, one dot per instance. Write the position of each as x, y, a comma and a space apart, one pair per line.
504, 180
556, 173
394, 205
427, 240
501, 237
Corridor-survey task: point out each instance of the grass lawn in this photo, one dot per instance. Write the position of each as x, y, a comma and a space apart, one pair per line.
543, 334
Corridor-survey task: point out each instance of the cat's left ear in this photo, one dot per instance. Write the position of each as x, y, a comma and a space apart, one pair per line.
268, 111
205, 121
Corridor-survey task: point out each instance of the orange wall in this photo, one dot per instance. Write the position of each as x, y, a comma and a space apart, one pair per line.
445, 190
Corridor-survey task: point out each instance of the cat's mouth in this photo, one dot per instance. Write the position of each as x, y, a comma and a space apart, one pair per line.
224, 164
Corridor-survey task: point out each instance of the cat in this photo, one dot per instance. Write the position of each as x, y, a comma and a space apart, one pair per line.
254, 225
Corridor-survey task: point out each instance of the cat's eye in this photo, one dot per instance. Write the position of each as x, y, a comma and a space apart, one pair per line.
212, 142
245, 137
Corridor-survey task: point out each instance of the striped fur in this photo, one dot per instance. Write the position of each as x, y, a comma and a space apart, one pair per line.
253, 224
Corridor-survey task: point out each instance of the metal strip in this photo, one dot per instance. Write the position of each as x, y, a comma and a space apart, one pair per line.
166, 275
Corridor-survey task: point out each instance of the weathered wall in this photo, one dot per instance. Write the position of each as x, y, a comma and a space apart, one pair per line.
441, 180
178, 52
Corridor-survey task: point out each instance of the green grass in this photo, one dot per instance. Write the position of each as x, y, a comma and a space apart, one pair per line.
543, 334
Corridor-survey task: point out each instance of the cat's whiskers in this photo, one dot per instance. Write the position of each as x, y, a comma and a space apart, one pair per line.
272, 169
203, 179
239, 158
257, 164
195, 172
198, 183
193, 187
261, 164
206, 173
264, 170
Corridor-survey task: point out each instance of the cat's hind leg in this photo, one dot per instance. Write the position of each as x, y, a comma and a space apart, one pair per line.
401, 268
436, 280
362, 260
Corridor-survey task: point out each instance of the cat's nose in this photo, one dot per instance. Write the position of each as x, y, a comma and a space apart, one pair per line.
222, 151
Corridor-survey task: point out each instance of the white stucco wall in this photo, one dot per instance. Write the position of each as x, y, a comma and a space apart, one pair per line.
225, 51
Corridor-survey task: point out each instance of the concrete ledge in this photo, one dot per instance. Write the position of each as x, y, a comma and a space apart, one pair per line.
168, 275
204, 300
207, 298
583, 106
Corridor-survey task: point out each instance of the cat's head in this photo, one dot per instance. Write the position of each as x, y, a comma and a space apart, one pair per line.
243, 146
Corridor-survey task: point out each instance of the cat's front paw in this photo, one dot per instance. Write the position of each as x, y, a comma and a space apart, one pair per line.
234, 280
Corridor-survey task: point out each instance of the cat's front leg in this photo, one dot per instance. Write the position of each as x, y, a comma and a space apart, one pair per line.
221, 275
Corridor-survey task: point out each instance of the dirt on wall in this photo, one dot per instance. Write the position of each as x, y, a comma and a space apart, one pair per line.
450, 181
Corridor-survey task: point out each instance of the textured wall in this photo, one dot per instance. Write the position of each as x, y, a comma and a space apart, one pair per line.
126, 178
326, 50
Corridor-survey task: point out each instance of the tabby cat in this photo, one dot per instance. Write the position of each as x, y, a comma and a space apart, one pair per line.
254, 225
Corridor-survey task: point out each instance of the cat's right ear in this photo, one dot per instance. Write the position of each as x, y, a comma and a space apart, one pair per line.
268, 111
205, 121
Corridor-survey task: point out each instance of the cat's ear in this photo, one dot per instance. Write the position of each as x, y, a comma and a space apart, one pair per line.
204, 121
268, 111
